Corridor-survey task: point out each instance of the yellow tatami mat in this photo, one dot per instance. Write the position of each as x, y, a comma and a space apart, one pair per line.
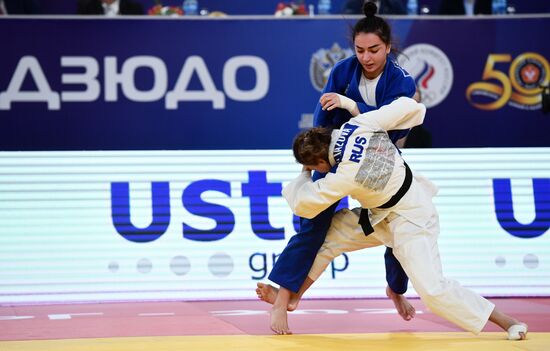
318, 342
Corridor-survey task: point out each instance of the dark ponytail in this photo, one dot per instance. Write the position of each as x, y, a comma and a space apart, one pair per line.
372, 24
369, 9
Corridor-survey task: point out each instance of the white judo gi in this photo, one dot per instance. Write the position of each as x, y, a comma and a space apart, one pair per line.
371, 170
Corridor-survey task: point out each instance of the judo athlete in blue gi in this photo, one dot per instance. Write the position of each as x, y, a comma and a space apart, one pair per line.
396, 210
370, 79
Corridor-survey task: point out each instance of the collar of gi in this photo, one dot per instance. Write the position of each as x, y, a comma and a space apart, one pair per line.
333, 138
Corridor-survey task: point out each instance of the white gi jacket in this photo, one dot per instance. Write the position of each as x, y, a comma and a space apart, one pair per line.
371, 171
370, 168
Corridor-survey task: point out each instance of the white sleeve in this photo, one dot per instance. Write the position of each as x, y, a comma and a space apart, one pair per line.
307, 198
402, 113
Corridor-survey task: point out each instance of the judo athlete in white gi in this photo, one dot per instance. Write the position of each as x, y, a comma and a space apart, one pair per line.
400, 211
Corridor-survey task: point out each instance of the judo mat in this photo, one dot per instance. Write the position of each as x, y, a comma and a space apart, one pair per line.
354, 324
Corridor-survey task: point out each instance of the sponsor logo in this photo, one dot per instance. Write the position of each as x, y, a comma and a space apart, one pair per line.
322, 62
506, 216
432, 72
520, 88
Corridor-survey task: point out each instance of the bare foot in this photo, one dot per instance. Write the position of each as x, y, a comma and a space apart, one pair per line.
268, 293
404, 308
279, 322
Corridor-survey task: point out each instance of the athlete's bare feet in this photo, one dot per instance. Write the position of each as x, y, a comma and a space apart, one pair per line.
279, 322
268, 293
404, 308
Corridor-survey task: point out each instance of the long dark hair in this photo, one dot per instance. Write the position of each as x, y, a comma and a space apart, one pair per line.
374, 24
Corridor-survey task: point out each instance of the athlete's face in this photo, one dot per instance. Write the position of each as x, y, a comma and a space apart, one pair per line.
371, 52
322, 166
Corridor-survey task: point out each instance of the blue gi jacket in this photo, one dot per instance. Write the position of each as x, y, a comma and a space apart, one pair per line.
344, 79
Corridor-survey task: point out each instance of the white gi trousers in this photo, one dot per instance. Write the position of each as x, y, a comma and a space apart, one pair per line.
411, 228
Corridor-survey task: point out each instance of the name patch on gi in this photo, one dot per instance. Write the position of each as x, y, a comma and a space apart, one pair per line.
357, 150
340, 145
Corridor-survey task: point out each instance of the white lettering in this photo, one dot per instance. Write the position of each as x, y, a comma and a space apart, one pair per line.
180, 92
160, 78
42, 94
127, 78
230, 78
85, 86
111, 78
87, 78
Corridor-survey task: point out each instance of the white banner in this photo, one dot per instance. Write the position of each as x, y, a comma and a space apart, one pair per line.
192, 225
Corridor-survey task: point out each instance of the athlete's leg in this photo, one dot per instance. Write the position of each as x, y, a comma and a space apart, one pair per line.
417, 250
397, 285
395, 275
291, 268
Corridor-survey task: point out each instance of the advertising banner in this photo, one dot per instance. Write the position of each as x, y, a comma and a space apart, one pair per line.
231, 84
154, 225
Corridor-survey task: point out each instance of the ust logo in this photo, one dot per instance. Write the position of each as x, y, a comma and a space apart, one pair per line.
504, 208
257, 189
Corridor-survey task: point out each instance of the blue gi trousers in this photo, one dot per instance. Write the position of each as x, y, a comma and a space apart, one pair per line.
293, 265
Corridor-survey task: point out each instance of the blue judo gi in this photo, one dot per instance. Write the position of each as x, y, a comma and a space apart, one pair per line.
291, 268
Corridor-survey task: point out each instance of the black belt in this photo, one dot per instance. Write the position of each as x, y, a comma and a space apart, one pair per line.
364, 216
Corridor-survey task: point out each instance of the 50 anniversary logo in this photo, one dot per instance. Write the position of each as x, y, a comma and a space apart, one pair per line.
520, 88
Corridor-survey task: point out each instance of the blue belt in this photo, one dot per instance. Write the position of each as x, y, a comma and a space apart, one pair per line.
364, 216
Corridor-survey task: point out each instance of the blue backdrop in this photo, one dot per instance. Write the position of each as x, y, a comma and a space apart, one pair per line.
246, 84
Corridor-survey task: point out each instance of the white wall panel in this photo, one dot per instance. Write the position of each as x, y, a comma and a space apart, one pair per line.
58, 241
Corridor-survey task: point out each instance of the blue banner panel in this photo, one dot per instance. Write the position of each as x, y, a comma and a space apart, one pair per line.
172, 83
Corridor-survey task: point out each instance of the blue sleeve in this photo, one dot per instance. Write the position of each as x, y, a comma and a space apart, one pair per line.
407, 88
322, 118
400, 84
336, 83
